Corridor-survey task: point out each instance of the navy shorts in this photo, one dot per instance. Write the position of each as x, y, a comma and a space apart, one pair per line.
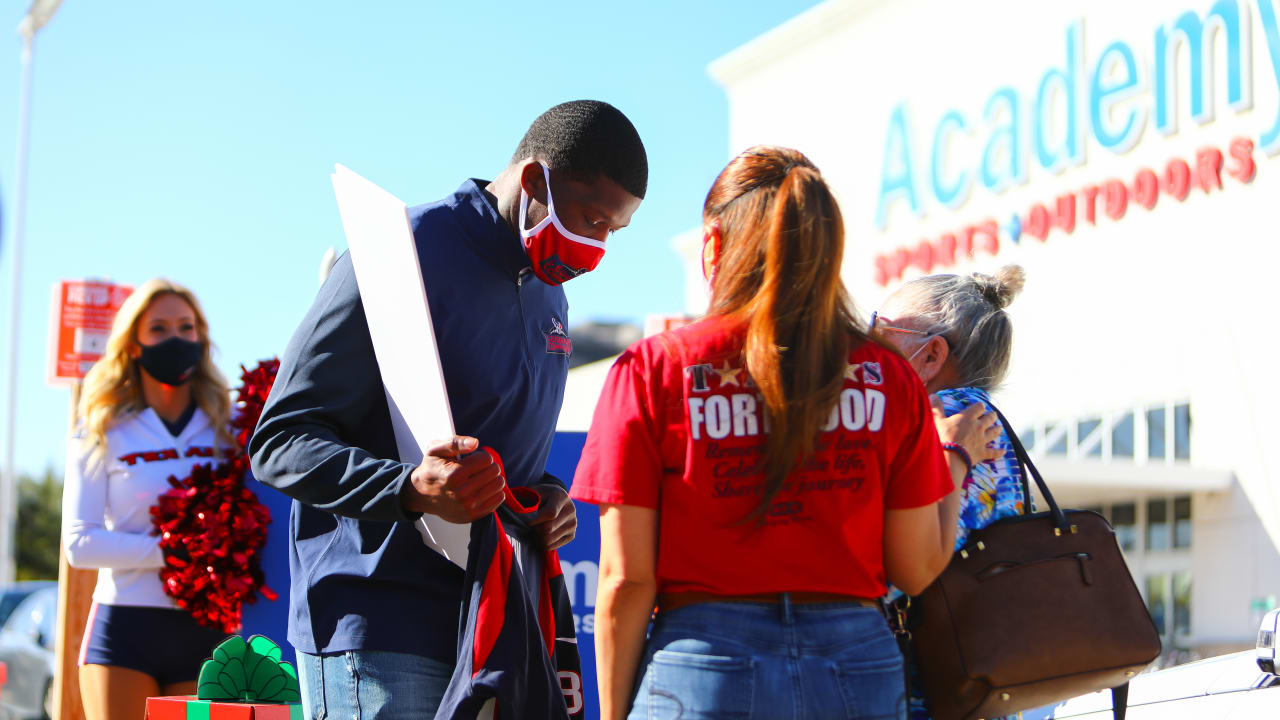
165, 643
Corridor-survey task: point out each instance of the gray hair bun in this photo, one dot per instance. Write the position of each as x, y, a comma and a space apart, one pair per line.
1003, 287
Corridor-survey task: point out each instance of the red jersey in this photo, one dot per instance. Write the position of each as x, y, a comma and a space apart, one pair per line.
680, 428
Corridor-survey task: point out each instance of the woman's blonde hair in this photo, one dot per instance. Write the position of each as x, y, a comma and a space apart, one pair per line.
113, 386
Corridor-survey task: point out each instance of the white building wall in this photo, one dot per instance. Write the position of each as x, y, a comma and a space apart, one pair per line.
1235, 565
1171, 304
1165, 303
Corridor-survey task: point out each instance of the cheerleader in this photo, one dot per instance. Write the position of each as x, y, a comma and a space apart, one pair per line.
151, 408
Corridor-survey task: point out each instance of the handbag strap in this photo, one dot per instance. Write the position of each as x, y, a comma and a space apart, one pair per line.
1026, 466
1119, 701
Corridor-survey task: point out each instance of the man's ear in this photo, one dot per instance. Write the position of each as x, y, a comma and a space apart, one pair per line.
532, 181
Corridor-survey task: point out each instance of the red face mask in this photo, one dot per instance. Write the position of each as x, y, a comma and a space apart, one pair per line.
557, 254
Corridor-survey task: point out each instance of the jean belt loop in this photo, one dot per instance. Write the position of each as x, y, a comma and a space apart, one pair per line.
784, 607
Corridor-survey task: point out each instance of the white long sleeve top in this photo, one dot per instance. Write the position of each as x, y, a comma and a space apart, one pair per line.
107, 500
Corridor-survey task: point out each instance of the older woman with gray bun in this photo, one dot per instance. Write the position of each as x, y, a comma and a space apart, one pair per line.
955, 332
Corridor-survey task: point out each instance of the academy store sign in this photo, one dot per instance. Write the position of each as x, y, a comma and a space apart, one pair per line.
1104, 99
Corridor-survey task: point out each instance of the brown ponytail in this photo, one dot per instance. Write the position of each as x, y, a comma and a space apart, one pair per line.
782, 241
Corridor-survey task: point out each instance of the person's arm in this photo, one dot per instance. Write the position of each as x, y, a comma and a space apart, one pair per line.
328, 392
89, 544
624, 601
922, 505
918, 543
966, 441
557, 518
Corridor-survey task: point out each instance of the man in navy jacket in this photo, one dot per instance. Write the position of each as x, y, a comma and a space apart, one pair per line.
373, 611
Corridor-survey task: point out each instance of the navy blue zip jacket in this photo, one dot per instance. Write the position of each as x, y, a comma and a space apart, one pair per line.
361, 577
516, 642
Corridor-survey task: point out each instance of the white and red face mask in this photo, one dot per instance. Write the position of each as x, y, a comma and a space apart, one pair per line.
558, 255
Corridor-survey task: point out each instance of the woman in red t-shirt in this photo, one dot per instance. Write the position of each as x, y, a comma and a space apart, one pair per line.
761, 475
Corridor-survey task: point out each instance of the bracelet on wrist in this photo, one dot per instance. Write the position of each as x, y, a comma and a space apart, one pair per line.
958, 449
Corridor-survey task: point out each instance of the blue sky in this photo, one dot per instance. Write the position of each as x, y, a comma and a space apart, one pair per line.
195, 141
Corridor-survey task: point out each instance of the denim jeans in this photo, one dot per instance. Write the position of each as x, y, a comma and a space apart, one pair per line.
371, 685
759, 660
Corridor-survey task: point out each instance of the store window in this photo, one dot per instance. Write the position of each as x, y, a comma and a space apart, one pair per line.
1182, 521
1117, 437
1122, 437
1182, 603
1124, 518
1182, 432
1059, 446
1084, 429
1158, 600
1155, 433
1157, 524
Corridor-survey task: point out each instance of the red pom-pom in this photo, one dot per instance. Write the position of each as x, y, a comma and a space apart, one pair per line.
212, 528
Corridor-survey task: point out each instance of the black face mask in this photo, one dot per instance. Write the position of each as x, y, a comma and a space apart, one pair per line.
173, 361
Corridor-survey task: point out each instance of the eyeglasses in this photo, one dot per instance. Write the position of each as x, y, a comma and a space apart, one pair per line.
876, 321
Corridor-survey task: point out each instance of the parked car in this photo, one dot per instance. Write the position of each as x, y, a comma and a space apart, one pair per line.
14, 593
26, 649
1239, 686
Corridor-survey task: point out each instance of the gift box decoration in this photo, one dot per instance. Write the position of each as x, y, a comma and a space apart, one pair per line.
189, 707
242, 681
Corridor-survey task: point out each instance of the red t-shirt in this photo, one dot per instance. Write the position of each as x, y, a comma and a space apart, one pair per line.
679, 428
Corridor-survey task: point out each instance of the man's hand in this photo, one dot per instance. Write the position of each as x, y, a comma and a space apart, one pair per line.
455, 483
557, 518
974, 428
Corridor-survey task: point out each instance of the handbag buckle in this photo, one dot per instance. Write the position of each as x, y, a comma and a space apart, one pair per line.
900, 618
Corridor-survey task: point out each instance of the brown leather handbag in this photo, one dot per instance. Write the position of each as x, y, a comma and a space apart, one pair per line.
1031, 611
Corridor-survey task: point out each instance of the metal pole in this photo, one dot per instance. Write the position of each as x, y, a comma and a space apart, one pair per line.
8, 514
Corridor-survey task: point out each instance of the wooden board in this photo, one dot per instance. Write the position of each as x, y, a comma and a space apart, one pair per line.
75, 596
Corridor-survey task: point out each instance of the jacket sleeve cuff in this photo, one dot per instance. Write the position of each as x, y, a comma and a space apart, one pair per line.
405, 485
549, 479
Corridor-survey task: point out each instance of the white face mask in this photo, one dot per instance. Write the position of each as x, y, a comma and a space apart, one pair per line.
923, 345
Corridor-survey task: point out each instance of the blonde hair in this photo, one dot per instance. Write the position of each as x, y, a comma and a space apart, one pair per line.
968, 310
113, 386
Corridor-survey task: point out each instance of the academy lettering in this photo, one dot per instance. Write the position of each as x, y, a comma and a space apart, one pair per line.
1099, 92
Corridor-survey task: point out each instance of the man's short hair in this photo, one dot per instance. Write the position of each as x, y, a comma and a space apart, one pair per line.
587, 138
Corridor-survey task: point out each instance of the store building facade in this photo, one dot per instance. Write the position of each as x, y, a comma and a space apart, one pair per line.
1127, 155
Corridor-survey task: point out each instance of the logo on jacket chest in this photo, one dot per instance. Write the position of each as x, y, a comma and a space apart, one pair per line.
558, 341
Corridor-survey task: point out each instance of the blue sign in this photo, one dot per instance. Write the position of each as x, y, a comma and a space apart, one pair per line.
580, 562
266, 617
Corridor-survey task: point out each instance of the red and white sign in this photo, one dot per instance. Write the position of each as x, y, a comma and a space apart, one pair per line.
79, 325
659, 323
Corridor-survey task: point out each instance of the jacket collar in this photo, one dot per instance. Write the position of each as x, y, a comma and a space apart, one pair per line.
486, 230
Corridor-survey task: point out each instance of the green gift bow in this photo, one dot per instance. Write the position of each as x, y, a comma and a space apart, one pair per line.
251, 671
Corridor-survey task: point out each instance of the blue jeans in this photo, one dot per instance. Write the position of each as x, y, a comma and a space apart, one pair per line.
371, 685
759, 660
